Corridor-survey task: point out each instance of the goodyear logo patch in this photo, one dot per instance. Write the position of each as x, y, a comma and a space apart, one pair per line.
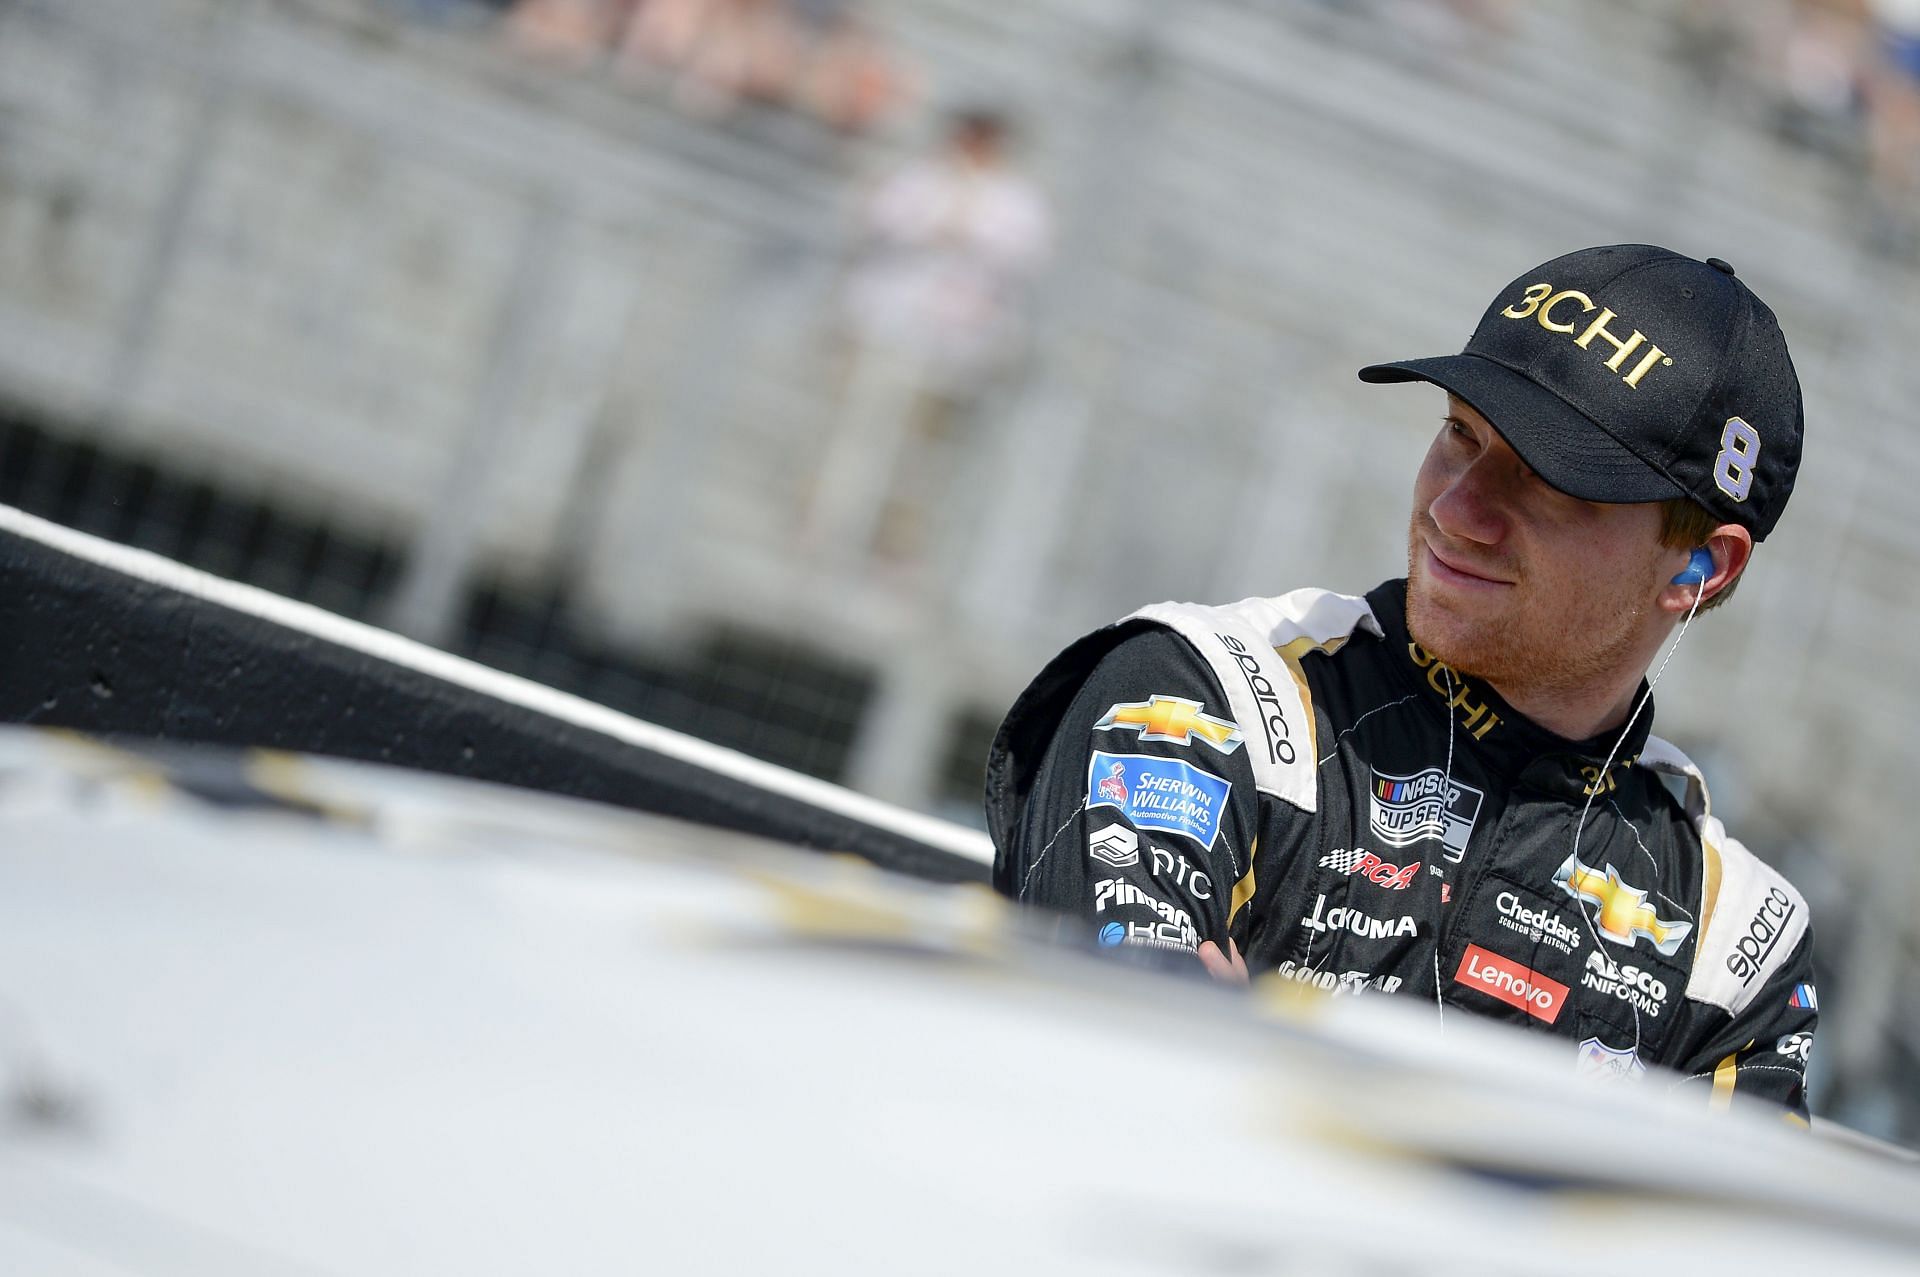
1159, 793
1428, 804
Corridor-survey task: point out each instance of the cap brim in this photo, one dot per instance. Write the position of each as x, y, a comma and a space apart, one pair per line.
1563, 446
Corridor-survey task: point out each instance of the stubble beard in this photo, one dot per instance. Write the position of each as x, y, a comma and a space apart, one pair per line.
1526, 656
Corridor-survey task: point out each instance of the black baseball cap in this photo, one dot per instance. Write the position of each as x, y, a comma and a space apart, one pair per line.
1633, 373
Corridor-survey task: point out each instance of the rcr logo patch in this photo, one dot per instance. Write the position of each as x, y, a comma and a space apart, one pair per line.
1371, 867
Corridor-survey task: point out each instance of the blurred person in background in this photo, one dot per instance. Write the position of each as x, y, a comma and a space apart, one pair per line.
1893, 90
850, 81
1447, 788
819, 57
936, 310
574, 33
1822, 67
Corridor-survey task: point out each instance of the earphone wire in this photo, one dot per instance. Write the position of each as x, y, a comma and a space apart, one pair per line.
1446, 788
1599, 782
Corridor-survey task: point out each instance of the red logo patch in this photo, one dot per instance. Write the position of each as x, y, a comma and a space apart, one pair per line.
1539, 996
1371, 867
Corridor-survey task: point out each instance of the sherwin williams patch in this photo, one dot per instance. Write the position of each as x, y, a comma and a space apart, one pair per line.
1159, 793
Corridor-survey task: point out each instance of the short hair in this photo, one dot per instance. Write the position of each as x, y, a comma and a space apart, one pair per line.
1684, 524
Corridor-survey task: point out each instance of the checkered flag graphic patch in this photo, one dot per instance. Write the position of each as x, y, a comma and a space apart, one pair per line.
1342, 861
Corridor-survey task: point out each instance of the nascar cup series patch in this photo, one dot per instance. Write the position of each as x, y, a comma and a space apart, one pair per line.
1428, 804
1159, 793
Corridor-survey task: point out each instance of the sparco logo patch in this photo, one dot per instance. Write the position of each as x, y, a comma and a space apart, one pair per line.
1371, 867
1762, 934
1624, 913
1428, 804
1273, 721
1541, 997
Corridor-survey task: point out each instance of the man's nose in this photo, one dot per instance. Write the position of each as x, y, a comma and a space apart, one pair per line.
1476, 504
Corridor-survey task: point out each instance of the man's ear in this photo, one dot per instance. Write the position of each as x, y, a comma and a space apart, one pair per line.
1731, 547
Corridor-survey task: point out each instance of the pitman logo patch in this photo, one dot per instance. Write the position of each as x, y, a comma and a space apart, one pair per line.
1428, 804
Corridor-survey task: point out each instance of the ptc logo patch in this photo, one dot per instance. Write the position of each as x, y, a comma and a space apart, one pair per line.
1428, 804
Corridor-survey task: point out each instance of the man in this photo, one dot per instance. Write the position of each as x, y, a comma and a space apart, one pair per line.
1446, 788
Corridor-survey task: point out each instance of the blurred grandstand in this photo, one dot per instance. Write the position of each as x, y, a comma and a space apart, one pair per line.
526, 333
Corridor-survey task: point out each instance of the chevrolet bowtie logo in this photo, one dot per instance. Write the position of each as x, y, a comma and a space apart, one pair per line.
1171, 718
1624, 911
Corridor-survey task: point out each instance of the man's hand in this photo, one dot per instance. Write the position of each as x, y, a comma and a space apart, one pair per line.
1228, 966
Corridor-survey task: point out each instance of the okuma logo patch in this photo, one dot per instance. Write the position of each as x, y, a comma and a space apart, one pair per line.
1428, 804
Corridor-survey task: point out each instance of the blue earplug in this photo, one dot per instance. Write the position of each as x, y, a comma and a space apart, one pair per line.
1699, 568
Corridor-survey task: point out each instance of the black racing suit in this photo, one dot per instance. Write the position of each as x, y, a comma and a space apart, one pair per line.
1298, 775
